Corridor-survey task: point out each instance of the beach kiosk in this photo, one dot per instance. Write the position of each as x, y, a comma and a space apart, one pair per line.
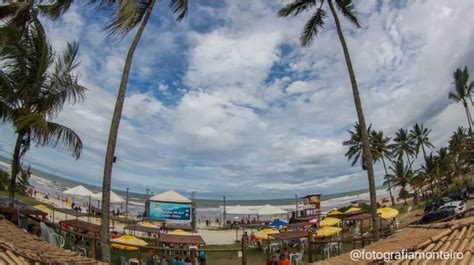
170, 206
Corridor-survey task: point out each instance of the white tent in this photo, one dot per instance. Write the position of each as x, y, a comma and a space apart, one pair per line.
239, 210
270, 210
170, 196
114, 198
79, 191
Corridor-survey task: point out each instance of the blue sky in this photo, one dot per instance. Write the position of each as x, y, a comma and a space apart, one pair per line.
228, 103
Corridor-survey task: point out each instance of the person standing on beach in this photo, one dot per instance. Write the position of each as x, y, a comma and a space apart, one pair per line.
273, 261
284, 260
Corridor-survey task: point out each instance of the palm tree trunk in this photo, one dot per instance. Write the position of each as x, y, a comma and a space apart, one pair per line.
388, 181
362, 124
15, 166
468, 114
109, 157
424, 152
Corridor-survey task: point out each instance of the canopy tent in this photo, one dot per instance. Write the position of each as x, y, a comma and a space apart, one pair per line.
170, 196
327, 231
240, 210
278, 223
330, 221
387, 212
264, 234
79, 191
114, 198
128, 240
270, 210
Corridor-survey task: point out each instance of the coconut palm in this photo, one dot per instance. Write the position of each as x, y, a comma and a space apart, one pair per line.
462, 91
310, 31
354, 143
420, 136
128, 15
35, 84
380, 150
403, 145
401, 176
429, 169
457, 149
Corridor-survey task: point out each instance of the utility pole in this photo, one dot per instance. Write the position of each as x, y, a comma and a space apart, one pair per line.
225, 214
126, 206
147, 191
193, 211
296, 202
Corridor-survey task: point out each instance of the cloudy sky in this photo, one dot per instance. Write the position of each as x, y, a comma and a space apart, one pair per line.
228, 103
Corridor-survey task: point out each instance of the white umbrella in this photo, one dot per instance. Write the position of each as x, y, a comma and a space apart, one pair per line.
170, 196
270, 210
114, 198
79, 191
239, 210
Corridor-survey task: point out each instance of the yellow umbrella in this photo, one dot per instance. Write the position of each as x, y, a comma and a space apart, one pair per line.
180, 232
44, 208
128, 240
334, 212
353, 209
387, 212
148, 224
327, 231
263, 234
330, 221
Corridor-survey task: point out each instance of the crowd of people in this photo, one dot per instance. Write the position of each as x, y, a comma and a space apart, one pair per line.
154, 259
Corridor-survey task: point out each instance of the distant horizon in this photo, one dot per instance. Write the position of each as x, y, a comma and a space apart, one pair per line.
49, 175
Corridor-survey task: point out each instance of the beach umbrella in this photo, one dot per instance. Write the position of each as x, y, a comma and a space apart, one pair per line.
327, 231
170, 196
270, 210
148, 224
278, 223
179, 232
335, 212
353, 209
330, 221
264, 234
128, 240
44, 208
387, 212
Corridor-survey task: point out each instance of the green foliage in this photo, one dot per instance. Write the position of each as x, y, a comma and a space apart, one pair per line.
23, 183
4, 180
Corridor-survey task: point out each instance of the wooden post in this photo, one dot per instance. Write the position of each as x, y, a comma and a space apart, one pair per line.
193, 256
93, 248
244, 251
310, 248
268, 247
362, 231
139, 255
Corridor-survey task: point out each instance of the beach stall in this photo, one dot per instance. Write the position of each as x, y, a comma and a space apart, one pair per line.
170, 207
79, 191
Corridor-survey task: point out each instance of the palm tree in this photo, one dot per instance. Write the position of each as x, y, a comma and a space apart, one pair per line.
403, 145
380, 150
429, 169
401, 176
354, 152
128, 15
310, 31
34, 86
462, 91
457, 149
420, 136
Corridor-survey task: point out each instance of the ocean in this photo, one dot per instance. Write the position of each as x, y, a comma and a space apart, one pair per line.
205, 208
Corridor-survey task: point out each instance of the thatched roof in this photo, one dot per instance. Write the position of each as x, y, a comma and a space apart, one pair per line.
19, 247
456, 236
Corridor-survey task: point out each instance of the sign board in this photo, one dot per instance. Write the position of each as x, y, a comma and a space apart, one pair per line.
314, 199
170, 211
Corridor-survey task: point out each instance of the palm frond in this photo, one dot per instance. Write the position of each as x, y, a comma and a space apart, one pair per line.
127, 15
31, 120
296, 7
56, 9
179, 7
17, 13
346, 7
312, 27
59, 136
